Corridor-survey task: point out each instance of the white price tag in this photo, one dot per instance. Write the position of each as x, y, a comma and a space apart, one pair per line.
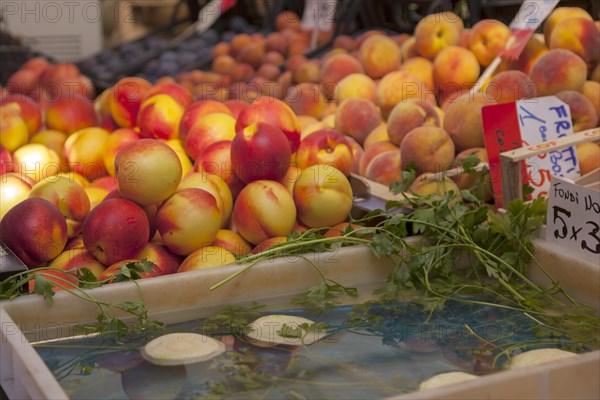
573, 218
542, 120
532, 13
318, 14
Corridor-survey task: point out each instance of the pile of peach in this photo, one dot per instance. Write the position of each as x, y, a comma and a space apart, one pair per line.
191, 171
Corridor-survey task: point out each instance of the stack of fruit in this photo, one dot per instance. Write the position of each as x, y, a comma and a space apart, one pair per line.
188, 175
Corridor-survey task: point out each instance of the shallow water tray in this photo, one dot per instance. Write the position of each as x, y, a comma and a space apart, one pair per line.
184, 297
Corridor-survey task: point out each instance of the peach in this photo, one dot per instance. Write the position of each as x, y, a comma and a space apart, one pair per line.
268, 243
208, 130
580, 35
116, 229
561, 14
408, 115
422, 68
269, 71
75, 177
337, 68
591, 90
357, 117
435, 32
215, 186
114, 143
106, 182
397, 87
14, 129
323, 196
242, 72
309, 72
277, 42
235, 106
463, 121
371, 152
96, 195
341, 229
326, 147
13, 190
30, 110
59, 280
184, 159
306, 99
188, 219
216, 160
109, 274
160, 255
509, 86
149, 210
534, 49
147, 171
260, 151
583, 113
487, 38
558, 70
36, 161
264, 209
379, 55
385, 168
274, 112
295, 61
6, 161
356, 86
126, 100
344, 42
305, 121
197, 110
455, 68
478, 182
379, 134
223, 64
173, 89
408, 49
424, 186
220, 49
68, 196
232, 242
84, 152
71, 260
290, 177
588, 156
159, 117
430, 148
52, 139
34, 230
207, 257
69, 114
595, 74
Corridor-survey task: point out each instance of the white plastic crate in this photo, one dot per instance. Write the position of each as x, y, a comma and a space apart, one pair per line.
181, 297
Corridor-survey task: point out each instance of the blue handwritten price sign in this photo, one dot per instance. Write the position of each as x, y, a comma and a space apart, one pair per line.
541, 120
573, 219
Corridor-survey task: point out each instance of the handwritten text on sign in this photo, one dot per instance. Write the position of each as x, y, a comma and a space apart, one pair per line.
542, 120
574, 218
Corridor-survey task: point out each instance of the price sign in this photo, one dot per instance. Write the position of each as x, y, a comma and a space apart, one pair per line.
573, 219
319, 14
530, 16
508, 126
543, 120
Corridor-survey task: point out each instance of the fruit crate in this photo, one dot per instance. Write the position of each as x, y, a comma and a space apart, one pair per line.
184, 297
